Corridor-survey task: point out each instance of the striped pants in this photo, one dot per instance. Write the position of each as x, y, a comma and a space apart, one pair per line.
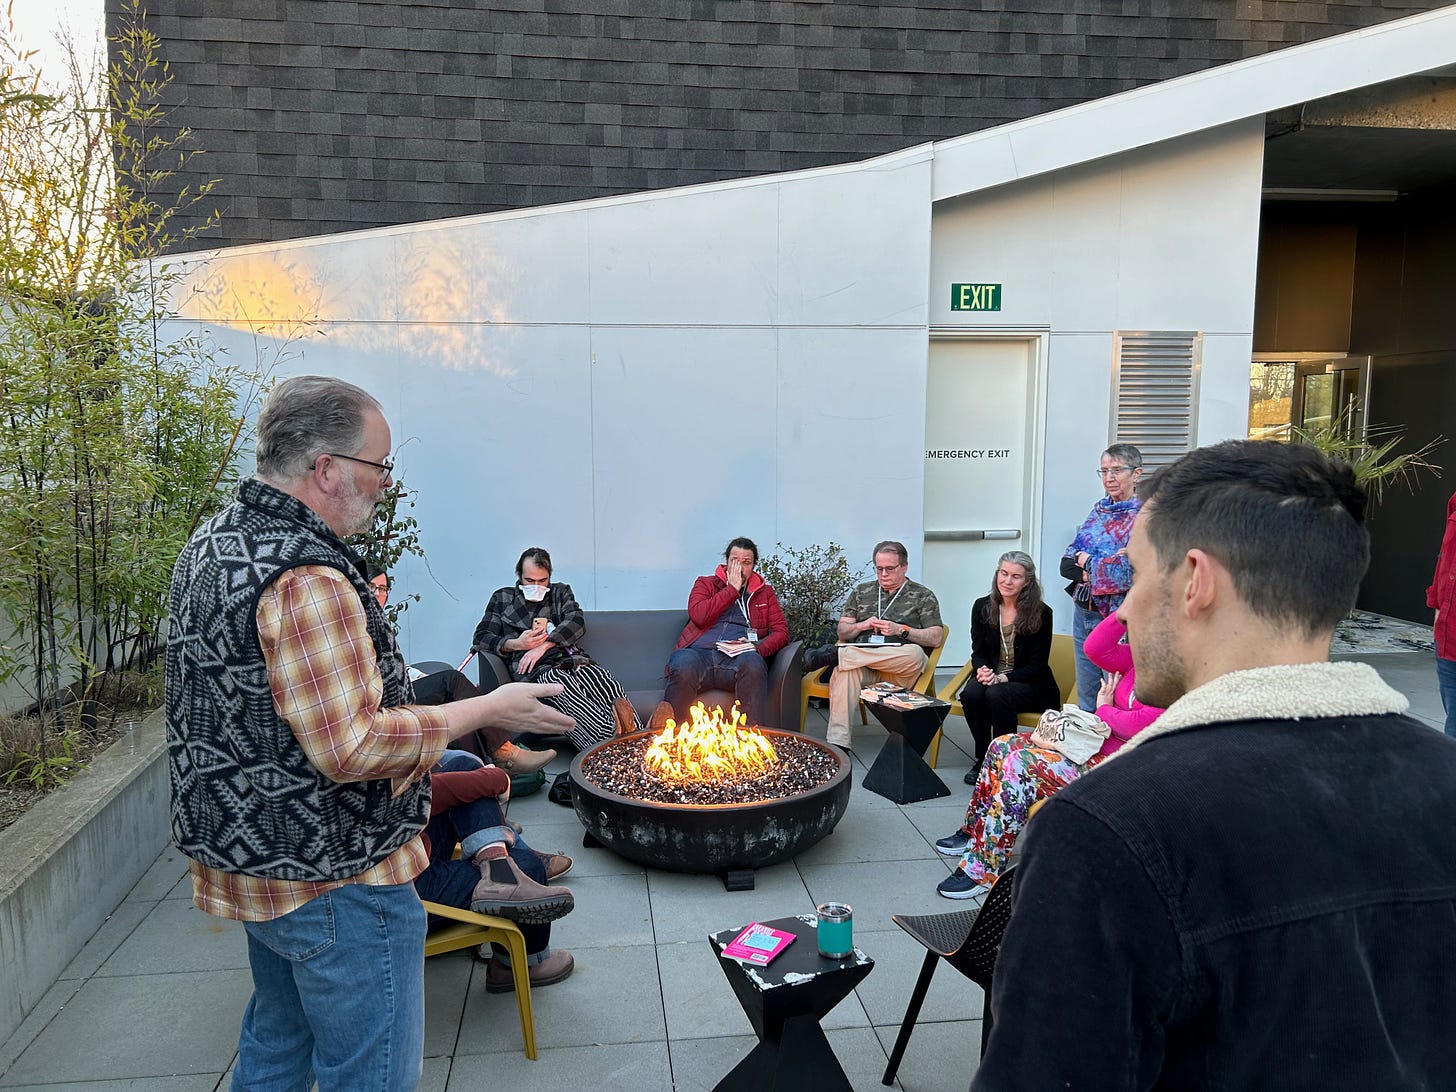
588, 694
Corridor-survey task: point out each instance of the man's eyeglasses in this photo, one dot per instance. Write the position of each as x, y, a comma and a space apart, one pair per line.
886, 570
1112, 471
386, 470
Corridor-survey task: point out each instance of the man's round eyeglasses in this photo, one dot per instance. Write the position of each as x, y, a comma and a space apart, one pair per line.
386, 470
1112, 471
885, 570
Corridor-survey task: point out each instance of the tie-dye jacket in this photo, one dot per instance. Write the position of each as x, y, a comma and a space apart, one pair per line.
1102, 535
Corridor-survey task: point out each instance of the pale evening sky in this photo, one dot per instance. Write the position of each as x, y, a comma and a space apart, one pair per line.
37, 23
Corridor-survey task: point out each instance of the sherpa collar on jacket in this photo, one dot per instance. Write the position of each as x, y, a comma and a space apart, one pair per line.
1281, 692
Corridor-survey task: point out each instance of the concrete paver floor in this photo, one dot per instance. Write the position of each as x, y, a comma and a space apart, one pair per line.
154, 1000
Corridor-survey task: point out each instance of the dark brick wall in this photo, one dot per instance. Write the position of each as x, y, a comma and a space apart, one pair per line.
328, 115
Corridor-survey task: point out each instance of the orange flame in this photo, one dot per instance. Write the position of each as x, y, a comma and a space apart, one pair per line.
709, 748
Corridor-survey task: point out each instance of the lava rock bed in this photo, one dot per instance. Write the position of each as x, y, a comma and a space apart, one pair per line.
618, 767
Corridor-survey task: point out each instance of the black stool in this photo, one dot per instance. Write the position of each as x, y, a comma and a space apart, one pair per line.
785, 1002
899, 772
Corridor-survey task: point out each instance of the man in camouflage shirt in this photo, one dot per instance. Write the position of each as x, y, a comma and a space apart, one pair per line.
887, 625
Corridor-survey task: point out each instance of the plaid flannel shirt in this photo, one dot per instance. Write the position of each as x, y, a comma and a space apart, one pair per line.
508, 615
325, 681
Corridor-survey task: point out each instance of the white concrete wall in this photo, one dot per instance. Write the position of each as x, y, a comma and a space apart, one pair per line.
1161, 238
631, 382
628, 383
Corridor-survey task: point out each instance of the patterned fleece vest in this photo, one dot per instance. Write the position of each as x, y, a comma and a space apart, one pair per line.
244, 796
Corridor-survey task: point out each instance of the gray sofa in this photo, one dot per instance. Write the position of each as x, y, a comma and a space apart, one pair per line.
634, 646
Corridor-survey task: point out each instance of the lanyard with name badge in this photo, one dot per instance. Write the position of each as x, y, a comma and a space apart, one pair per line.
881, 606
742, 605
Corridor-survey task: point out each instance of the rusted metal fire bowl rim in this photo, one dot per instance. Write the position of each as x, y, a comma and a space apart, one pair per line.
710, 837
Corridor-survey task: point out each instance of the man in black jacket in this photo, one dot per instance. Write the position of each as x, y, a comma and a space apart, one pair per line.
1259, 891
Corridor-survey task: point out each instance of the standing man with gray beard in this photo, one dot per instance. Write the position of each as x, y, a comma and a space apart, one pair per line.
298, 766
1259, 890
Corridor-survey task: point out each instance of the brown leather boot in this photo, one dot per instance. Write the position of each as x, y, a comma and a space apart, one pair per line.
556, 864
557, 966
517, 760
626, 717
507, 892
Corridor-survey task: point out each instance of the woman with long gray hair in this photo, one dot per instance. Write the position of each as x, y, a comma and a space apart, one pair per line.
1011, 645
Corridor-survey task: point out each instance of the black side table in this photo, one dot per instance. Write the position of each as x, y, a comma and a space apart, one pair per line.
899, 772
785, 1002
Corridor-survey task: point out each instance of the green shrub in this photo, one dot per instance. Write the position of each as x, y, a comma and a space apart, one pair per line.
116, 438
812, 583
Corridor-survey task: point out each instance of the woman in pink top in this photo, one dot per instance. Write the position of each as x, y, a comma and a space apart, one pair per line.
1117, 704
1017, 771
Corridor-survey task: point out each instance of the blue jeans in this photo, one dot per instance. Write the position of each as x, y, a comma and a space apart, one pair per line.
1089, 675
690, 671
474, 826
338, 994
1446, 680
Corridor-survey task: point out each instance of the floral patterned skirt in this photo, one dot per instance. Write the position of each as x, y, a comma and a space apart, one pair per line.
1016, 774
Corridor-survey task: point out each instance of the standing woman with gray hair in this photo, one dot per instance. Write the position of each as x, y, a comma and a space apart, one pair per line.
1011, 644
1096, 561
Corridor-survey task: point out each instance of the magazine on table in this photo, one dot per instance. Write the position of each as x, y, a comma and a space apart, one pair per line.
879, 690
898, 696
758, 944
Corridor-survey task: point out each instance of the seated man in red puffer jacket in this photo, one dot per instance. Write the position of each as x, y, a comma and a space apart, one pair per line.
735, 605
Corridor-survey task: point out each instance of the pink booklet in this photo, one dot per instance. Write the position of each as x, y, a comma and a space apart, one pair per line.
758, 944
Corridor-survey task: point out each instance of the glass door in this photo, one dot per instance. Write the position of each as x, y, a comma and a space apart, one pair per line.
1332, 394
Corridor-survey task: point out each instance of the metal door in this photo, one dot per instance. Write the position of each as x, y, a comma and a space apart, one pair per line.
979, 470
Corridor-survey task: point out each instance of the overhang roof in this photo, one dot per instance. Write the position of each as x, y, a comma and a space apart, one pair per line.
1192, 103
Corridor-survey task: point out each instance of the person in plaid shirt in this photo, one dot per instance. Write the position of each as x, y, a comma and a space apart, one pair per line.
297, 763
535, 625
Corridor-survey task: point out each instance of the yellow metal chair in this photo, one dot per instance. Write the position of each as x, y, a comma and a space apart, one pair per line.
1063, 663
816, 683
467, 929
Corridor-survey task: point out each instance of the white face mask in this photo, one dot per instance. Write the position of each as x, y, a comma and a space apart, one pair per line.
533, 593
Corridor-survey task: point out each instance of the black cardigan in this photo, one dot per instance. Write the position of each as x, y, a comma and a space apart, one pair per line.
1032, 651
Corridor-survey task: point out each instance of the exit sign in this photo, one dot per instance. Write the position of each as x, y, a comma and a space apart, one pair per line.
975, 297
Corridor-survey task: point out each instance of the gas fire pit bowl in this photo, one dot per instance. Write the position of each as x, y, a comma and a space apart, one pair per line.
711, 838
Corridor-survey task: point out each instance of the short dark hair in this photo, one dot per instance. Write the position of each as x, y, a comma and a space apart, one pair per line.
1284, 519
741, 543
890, 546
1128, 455
536, 556
306, 416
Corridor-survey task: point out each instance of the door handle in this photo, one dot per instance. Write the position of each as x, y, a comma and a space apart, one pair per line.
991, 534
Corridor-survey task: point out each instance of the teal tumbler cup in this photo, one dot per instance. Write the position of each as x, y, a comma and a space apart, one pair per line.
836, 930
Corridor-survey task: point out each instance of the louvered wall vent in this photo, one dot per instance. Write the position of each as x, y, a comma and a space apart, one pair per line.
1155, 392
